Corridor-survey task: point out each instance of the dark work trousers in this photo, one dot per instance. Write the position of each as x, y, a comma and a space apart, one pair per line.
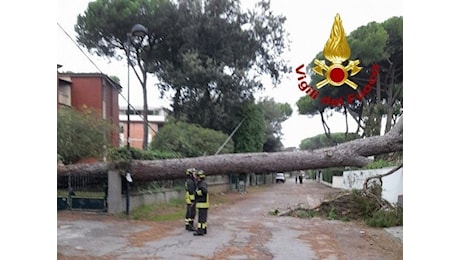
190, 214
202, 219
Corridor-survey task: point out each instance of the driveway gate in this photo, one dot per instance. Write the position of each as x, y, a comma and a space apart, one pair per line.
82, 192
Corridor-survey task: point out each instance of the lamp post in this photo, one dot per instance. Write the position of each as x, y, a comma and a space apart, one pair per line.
138, 31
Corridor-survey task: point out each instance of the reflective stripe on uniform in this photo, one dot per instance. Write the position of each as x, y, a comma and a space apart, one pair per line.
205, 204
187, 198
202, 205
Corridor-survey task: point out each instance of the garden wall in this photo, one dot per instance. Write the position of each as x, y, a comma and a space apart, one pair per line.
117, 201
392, 188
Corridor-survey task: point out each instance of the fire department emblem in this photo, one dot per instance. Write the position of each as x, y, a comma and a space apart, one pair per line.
337, 51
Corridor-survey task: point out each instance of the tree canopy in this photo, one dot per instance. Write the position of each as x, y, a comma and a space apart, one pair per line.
105, 29
212, 57
250, 135
321, 140
274, 114
210, 54
189, 140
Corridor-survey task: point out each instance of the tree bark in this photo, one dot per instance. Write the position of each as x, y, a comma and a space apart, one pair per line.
352, 153
83, 169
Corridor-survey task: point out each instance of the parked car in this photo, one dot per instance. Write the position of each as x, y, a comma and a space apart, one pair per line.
280, 178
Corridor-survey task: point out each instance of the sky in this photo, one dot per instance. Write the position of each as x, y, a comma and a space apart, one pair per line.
308, 25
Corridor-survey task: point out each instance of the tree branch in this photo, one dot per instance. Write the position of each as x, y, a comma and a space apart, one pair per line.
370, 194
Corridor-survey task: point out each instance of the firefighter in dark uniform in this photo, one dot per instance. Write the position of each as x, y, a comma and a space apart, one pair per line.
190, 187
202, 204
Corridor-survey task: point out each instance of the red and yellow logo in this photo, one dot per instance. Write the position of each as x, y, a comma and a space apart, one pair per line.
337, 51
335, 73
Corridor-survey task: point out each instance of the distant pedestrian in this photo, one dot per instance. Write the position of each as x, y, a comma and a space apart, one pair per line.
296, 179
300, 178
190, 187
202, 204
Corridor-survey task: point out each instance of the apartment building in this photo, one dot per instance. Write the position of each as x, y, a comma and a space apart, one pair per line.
93, 90
156, 118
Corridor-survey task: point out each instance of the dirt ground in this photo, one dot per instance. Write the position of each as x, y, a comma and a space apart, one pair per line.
240, 226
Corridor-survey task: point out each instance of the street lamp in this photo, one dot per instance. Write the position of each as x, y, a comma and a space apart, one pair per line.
137, 31
136, 35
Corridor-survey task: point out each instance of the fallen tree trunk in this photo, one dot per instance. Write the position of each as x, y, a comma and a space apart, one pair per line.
352, 153
84, 169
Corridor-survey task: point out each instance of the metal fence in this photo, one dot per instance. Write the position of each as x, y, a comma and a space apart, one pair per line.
86, 192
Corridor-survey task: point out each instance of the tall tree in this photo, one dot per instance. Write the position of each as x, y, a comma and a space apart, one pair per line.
274, 115
209, 53
212, 55
381, 44
249, 137
394, 78
104, 27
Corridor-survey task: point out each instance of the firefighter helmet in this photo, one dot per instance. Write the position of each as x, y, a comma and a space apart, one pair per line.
200, 174
190, 171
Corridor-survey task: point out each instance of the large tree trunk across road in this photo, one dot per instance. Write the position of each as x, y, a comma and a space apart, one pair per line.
352, 153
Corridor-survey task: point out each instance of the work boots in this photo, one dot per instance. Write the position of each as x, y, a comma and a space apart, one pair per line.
190, 227
199, 232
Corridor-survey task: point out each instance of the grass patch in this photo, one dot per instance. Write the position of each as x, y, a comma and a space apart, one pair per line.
172, 210
81, 194
386, 218
175, 209
304, 213
274, 212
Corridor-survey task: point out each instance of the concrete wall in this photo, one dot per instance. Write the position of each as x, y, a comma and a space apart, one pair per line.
114, 197
392, 187
116, 201
218, 183
137, 200
337, 182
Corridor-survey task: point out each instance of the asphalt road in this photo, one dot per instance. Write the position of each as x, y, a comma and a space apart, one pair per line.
242, 230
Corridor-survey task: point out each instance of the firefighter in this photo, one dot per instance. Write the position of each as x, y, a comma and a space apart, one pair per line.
202, 203
190, 187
